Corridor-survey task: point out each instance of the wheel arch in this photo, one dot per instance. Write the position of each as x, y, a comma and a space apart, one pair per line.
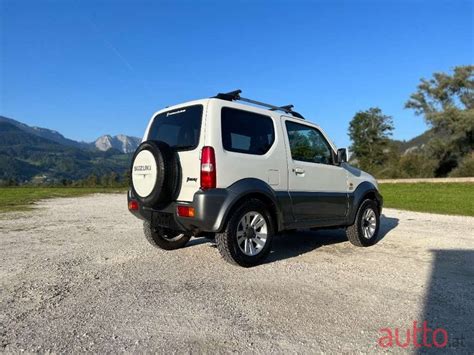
249, 188
365, 190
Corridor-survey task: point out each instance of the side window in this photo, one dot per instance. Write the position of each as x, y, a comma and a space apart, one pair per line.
246, 132
308, 144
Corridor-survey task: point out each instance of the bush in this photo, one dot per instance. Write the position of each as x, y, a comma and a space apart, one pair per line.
414, 165
465, 167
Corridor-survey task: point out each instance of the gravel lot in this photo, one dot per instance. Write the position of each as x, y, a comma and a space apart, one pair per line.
77, 274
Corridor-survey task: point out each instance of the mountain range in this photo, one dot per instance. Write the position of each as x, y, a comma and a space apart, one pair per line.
126, 144
39, 154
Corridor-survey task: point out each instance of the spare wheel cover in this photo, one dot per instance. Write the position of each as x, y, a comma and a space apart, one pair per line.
144, 173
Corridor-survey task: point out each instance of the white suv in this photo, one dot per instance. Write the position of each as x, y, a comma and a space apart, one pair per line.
241, 173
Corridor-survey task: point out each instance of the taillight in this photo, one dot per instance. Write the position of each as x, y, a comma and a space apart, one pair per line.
208, 168
185, 211
133, 205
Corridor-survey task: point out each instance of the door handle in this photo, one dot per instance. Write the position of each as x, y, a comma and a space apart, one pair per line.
298, 171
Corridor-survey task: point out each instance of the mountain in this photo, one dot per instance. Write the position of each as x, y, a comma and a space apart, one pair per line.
125, 144
26, 154
44, 133
414, 144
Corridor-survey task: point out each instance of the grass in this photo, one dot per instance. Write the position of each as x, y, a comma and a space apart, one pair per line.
443, 198
23, 198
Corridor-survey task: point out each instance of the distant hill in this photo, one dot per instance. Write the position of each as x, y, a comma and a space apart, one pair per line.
25, 154
414, 144
44, 133
123, 143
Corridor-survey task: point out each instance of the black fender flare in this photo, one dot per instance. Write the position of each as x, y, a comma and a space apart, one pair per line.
251, 187
363, 190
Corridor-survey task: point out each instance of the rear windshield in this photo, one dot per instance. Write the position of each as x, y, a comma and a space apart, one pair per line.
179, 128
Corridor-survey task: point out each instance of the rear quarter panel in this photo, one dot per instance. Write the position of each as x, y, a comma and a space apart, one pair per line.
233, 166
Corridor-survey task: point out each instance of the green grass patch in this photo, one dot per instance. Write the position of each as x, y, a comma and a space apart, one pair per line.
23, 198
444, 198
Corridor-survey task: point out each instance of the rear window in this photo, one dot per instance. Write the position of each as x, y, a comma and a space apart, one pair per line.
180, 128
246, 132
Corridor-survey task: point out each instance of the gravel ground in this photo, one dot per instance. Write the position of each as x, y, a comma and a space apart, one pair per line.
77, 274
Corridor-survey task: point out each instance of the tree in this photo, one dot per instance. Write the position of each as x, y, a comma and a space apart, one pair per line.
91, 180
447, 104
126, 178
112, 179
369, 131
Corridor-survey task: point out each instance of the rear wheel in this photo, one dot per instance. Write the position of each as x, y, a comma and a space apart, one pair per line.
248, 235
364, 231
164, 238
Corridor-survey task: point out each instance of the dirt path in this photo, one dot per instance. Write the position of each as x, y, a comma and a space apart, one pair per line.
78, 275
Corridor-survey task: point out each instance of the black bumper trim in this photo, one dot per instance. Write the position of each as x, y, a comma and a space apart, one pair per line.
209, 208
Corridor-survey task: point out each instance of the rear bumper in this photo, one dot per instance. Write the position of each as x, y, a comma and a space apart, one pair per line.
209, 209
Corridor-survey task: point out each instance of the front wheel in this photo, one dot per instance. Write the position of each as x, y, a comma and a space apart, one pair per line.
163, 238
248, 235
364, 231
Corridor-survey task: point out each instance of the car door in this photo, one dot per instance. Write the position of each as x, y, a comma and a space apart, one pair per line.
317, 186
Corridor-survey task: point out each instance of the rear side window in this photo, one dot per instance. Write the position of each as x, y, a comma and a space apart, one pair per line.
180, 128
246, 132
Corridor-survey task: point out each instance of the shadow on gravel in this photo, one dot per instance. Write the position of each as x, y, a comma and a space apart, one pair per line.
292, 244
196, 241
449, 301
386, 225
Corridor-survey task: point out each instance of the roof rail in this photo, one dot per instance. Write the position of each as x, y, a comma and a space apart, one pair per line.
235, 96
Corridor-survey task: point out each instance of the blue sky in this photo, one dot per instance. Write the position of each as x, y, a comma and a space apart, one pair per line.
86, 68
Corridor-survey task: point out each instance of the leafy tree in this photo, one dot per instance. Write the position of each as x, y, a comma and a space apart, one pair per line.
91, 180
126, 177
369, 131
112, 179
447, 104
104, 180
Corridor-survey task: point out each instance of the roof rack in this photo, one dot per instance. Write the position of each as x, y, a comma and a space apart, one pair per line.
235, 95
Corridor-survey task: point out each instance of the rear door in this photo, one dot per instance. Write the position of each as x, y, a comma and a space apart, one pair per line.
317, 186
182, 127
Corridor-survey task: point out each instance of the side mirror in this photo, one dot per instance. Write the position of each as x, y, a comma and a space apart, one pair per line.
341, 155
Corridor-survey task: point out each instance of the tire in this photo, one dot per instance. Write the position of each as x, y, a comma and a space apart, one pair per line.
255, 241
155, 174
361, 233
166, 239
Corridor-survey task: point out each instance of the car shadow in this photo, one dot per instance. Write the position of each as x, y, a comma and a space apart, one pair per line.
291, 244
386, 225
449, 302
197, 241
